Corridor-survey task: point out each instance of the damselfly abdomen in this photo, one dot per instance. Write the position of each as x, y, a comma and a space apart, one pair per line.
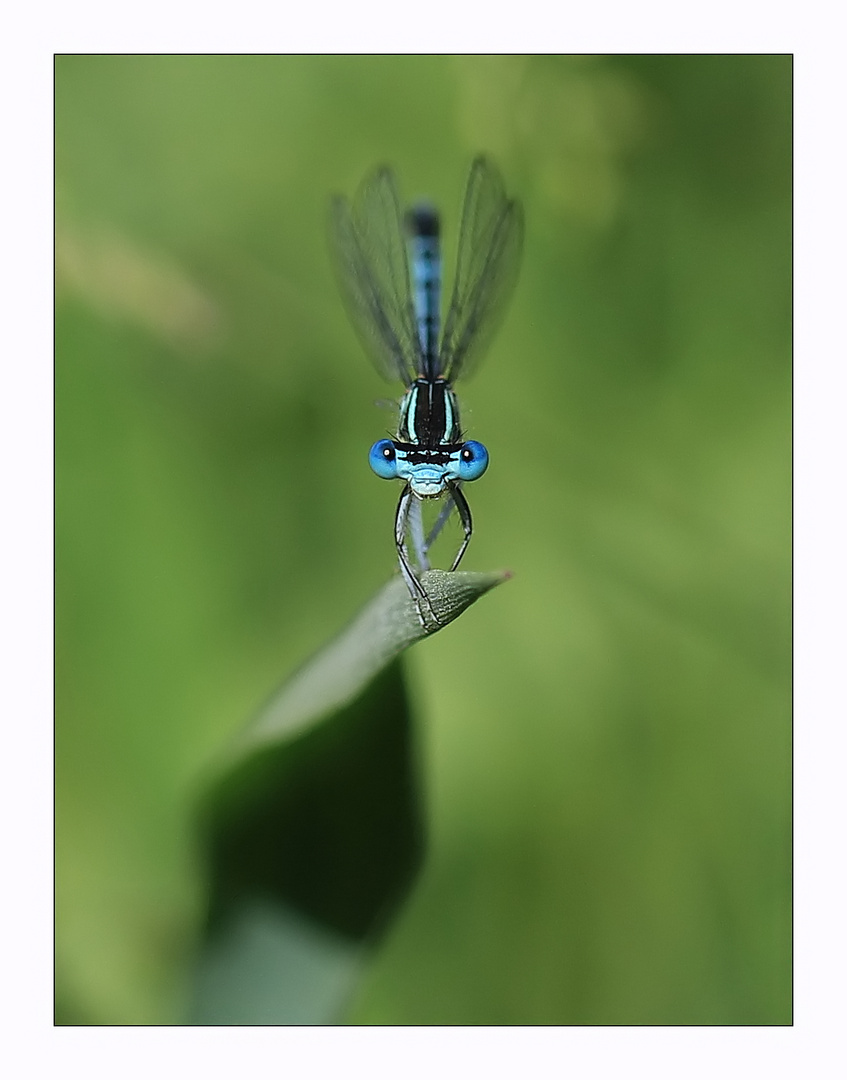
389, 269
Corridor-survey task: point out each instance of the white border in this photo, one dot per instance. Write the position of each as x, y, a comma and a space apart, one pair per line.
813, 1047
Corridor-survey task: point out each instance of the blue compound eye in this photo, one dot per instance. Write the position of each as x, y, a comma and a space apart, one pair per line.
383, 459
473, 461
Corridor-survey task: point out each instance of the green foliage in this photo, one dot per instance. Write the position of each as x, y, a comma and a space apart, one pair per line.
313, 826
604, 747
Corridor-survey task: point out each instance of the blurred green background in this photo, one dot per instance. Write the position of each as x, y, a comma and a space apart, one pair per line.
605, 740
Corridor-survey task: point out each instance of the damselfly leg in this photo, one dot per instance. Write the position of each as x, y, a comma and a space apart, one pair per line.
409, 524
408, 521
466, 520
420, 543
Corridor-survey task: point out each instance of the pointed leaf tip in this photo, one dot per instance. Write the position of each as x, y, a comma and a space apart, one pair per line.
384, 628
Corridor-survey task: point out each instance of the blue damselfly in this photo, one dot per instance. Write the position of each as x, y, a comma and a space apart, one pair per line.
389, 270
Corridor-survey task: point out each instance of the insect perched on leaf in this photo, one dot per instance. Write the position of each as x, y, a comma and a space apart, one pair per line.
389, 270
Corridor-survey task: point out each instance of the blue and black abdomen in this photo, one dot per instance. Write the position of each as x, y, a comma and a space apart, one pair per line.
425, 256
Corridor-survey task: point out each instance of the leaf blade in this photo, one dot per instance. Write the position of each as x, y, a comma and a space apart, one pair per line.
383, 629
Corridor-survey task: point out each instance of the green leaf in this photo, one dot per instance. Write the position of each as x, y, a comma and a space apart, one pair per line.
383, 629
312, 824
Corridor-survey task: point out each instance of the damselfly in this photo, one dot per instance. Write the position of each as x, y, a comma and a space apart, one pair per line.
397, 313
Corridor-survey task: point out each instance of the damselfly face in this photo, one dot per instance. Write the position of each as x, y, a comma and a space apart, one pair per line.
389, 269
428, 472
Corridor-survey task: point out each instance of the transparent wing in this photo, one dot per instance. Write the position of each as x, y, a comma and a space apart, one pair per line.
369, 251
490, 244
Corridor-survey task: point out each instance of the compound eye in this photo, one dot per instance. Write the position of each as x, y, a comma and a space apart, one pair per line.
473, 461
383, 459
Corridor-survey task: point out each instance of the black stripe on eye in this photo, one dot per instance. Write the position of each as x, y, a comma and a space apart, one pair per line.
422, 455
